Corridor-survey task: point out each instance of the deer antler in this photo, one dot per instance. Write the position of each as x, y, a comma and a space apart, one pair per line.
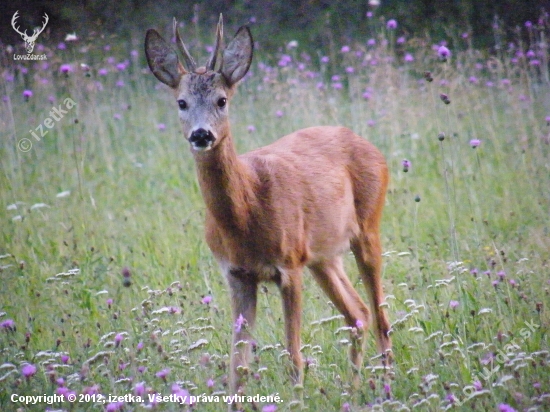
36, 32
189, 61
14, 18
219, 40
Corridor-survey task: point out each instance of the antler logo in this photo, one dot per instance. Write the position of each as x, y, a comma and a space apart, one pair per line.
29, 40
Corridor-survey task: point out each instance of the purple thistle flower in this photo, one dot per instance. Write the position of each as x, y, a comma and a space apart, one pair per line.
118, 338
350, 70
406, 165
60, 382
359, 324
114, 407
366, 95
91, 390
65, 68
408, 58
61, 46
337, 85
369, 14
210, 383
8, 324
547, 120
251, 129
161, 127
478, 386
120, 83
453, 304
401, 40
345, 49
110, 301
27, 94
65, 359
279, 113
503, 407
443, 53
325, 59
530, 54
475, 143
535, 62
371, 123
391, 24
528, 24
139, 346
28, 370
141, 369
239, 323
63, 391
501, 274
163, 374
103, 72
121, 67
513, 283
371, 42
495, 283
269, 408
346, 407
206, 300
139, 389
473, 80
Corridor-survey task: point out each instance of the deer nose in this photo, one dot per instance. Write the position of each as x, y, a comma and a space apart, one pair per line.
202, 139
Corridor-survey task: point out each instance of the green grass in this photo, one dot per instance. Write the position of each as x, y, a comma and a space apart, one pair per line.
134, 202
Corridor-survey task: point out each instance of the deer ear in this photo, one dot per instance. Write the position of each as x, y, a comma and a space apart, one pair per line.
237, 56
162, 60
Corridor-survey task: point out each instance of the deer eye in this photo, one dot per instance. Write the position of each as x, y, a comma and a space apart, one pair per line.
182, 104
222, 101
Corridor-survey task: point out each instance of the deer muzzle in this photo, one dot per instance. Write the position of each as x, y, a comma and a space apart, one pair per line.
202, 139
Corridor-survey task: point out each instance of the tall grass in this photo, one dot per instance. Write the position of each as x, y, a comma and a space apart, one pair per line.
109, 287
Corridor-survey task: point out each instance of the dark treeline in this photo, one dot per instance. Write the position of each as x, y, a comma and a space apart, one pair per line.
315, 22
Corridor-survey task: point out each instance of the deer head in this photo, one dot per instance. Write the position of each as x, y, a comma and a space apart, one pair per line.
202, 93
29, 40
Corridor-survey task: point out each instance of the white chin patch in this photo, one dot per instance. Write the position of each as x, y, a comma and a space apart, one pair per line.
201, 148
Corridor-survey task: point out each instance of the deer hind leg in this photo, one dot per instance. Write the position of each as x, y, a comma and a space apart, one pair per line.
243, 287
368, 255
330, 275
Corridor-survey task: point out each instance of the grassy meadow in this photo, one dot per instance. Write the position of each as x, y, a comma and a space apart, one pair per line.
108, 286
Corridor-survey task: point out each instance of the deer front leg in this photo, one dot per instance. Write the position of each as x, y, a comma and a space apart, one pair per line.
291, 293
243, 287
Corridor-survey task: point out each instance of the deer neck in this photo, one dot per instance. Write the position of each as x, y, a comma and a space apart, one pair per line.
226, 184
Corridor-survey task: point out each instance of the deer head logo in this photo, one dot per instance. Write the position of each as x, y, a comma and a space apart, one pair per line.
29, 40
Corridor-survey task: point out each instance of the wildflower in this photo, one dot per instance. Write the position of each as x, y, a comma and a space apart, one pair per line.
119, 337
371, 123
406, 165
453, 304
505, 82
345, 49
269, 408
337, 85
359, 324
495, 283
503, 407
8, 324
501, 274
547, 119
473, 80
513, 283
465, 35
530, 54
441, 136
65, 359
103, 72
126, 274
444, 98
346, 407
210, 383
489, 84
116, 116
251, 128
325, 59
475, 143
61, 46
391, 24
366, 95
163, 374
110, 301
139, 389
239, 323
443, 53
28, 370
120, 83
27, 94
371, 42
350, 70
292, 44
91, 390
71, 37
139, 346
114, 407
121, 67
206, 300
535, 62
528, 24
400, 40
279, 113
65, 68
141, 369
134, 53
408, 58
369, 14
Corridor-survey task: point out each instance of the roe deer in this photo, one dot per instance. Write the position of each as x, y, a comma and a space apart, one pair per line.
302, 201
